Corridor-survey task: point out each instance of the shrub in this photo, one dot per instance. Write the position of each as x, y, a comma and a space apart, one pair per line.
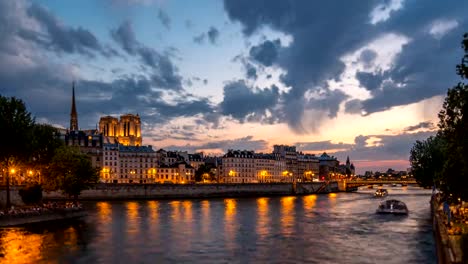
31, 194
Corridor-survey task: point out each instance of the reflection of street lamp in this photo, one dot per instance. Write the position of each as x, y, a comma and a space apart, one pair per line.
8, 202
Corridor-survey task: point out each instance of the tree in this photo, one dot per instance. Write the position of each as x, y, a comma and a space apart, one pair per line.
427, 161
16, 125
71, 172
453, 124
31, 193
204, 173
44, 143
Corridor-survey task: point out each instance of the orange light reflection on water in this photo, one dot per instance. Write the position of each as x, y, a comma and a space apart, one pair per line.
262, 217
153, 207
104, 211
187, 205
206, 218
20, 247
287, 214
309, 202
230, 227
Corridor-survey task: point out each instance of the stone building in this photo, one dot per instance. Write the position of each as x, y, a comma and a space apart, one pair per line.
128, 164
241, 166
180, 173
126, 131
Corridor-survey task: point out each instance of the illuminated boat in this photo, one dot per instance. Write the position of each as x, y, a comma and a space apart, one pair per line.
381, 193
392, 207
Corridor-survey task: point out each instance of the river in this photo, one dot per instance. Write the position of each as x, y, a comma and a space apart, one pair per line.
328, 228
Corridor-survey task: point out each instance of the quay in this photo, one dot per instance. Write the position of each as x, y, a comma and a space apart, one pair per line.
109, 191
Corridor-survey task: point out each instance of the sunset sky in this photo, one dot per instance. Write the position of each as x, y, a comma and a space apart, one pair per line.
358, 78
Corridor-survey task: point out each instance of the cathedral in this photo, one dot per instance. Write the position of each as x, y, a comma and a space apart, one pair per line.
126, 131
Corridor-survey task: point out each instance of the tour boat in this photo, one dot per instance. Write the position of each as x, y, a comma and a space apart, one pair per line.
381, 193
392, 207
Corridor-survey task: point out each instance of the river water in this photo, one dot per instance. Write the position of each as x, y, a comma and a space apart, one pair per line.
328, 228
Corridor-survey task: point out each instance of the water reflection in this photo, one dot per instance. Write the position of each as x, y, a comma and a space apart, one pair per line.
153, 208
260, 230
133, 226
262, 217
287, 214
104, 211
19, 247
230, 227
205, 218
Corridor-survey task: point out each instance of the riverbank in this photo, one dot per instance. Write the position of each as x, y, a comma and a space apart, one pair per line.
449, 247
31, 217
193, 191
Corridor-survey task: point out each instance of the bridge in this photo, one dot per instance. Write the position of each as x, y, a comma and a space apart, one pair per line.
350, 185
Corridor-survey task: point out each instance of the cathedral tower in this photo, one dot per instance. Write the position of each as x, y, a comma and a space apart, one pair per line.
74, 114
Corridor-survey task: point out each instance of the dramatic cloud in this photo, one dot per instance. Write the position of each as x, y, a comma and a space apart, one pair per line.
369, 80
251, 72
322, 34
245, 143
164, 19
370, 148
321, 145
423, 125
241, 101
266, 53
313, 57
164, 72
36, 24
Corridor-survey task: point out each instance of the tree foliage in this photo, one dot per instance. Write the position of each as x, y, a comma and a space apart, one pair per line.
31, 194
45, 142
452, 172
204, 173
16, 125
70, 171
453, 124
427, 161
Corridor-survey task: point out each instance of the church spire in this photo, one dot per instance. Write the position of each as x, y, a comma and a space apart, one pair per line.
74, 114
347, 161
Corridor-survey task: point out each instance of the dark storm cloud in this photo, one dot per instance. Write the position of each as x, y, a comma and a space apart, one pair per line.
164, 19
245, 143
250, 71
370, 80
241, 101
61, 38
367, 57
323, 33
423, 125
164, 73
266, 53
40, 79
213, 35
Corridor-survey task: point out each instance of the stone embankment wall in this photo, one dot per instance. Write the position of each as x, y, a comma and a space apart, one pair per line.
161, 191
15, 198
6, 221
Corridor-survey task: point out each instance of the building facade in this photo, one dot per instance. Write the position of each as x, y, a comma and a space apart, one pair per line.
128, 164
179, 173
126, 131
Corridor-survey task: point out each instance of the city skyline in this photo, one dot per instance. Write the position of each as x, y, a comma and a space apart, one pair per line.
208, 77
